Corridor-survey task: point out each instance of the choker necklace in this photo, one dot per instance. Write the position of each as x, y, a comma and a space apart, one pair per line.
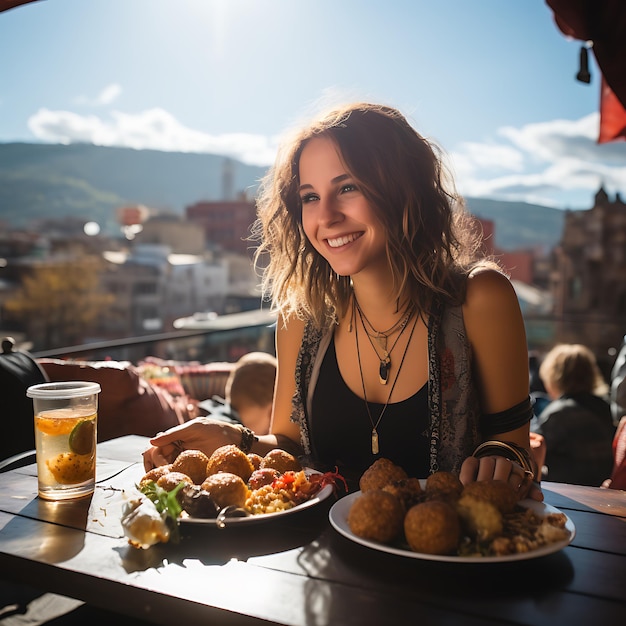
375, 446
381, 338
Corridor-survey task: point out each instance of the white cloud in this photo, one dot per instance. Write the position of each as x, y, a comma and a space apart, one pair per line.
154, 129
542, 163
471, 158
108, 95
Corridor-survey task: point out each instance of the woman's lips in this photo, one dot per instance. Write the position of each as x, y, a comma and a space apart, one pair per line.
337, 242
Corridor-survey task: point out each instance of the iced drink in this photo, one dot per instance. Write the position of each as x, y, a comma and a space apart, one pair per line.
65, 438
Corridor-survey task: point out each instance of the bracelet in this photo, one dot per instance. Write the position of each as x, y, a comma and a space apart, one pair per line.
248, 439
508, 450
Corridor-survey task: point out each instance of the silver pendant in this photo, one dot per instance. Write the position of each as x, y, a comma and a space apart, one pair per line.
374, 442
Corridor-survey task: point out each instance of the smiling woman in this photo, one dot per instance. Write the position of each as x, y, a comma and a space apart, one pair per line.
405, 344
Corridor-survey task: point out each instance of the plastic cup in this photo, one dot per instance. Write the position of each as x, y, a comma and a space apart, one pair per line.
66, 418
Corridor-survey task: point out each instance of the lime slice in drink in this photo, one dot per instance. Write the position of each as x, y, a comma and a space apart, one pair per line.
81, 437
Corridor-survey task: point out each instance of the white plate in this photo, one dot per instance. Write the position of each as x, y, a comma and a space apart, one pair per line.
321, 495
338, 516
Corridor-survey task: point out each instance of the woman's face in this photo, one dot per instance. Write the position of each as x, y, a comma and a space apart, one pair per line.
336, 217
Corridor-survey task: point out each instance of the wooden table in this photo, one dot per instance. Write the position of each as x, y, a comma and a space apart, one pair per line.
299, 570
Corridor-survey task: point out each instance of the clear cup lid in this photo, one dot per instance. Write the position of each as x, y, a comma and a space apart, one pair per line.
64, 389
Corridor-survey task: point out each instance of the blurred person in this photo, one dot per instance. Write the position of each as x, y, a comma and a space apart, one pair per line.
538, 451
249, 393
538, 394
577, 425
395, 338
618, 384
618, 475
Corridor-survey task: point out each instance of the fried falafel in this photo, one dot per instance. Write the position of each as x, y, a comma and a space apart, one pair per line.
380, 473
432, 527
226, 489
281, 460
376, 515
443, 485
193, 463
230, 459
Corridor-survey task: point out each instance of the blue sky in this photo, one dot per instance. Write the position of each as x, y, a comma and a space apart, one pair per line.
491, 81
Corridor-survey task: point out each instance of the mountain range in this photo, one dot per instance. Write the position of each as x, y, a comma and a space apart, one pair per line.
51, 181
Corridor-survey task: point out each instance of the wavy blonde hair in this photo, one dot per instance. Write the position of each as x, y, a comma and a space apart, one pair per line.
432, 242
572, 368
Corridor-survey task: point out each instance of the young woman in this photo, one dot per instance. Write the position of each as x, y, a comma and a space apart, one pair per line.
392, 340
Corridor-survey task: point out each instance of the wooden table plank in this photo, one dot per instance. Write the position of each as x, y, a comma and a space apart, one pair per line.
581, 498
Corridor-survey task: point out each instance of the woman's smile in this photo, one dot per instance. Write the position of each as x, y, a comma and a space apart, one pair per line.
343, 240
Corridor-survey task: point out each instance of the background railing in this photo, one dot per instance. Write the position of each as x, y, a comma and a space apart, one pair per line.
224, 338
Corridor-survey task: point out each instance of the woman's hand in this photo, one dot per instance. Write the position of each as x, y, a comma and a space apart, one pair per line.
201, 433
501, 468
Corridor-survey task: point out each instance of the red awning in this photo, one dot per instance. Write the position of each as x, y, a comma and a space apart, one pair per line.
5, 5
602, 22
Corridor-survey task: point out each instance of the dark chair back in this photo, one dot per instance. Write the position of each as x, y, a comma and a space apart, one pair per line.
18, 371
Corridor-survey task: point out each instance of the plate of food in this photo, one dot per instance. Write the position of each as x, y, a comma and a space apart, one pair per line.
439, 519
226, 489
272, 503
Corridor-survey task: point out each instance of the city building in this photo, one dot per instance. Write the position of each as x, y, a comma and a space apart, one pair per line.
154, 286
588, 278
225, 223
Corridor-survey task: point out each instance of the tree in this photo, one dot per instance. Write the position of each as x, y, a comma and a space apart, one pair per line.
59, 302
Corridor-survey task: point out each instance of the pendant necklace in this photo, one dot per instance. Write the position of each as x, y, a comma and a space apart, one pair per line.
381, 338
375, 446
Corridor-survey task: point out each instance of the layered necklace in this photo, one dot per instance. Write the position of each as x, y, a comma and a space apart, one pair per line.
381, 337
406, 318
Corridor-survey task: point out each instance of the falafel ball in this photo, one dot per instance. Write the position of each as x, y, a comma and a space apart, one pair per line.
154, 474
408, 491
255, 459
171, 479
380, 473
230, 459
263, 476
432, 527
444, 485
193, 463
226, 489
281, 460
376, 515
499, 492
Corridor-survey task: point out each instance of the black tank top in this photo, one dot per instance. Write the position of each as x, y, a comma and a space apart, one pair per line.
341, 432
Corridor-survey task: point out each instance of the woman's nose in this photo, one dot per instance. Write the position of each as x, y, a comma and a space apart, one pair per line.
329, 212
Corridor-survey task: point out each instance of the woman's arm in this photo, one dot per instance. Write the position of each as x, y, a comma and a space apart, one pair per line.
206, 434
288, 341
495, 330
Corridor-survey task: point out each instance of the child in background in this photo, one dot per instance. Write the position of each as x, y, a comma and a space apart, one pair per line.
249, 393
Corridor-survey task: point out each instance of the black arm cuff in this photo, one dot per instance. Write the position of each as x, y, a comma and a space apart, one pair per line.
505, 421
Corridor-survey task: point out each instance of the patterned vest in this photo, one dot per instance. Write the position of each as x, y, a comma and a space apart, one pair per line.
455, 415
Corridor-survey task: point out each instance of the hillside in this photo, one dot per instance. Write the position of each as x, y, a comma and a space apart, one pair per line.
91, 182
519, 225
42, 180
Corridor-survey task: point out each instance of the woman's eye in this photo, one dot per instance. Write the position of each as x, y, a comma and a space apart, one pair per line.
348, 187
308, 197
